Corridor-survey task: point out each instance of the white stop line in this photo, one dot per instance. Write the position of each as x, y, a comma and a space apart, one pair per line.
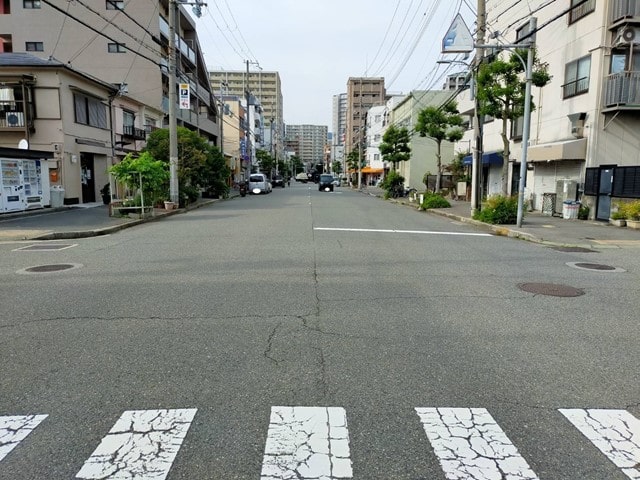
421, 232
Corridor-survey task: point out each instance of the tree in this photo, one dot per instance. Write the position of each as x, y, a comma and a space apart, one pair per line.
336, 167
200, 165
501, 92
352, 160
395, 146
143, 169
440, 124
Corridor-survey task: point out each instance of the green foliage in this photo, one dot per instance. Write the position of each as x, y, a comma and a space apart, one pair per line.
499, 210
434, 200
440, 123
392, 180
352, 160
583, 212
336, 167
627, 210
154, 173
266, 161
395, 145
200, 165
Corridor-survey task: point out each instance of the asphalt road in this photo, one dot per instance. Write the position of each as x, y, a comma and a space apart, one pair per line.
306, 334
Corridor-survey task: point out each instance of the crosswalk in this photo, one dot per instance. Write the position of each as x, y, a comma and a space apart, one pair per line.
313, 443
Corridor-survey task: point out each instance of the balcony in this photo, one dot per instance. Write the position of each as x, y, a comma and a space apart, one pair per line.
578, 12
129, 131
624, 10
622, 91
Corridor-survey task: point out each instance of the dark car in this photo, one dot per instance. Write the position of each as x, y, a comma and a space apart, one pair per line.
325, 182
277, 181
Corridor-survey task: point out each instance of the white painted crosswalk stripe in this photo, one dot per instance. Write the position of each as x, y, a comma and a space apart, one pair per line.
471, 446
307, 443
420, 232
141, 444
14, 429
615, 432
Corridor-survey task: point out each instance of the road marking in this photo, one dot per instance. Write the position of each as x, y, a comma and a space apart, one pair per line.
46, 247
141, 444
307, 443
422, 232
14, 429
615, 432
471, 445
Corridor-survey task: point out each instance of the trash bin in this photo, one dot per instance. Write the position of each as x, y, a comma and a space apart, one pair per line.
570, 209
57, 196
548, 204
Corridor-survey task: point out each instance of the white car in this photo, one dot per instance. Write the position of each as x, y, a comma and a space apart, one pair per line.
258, 183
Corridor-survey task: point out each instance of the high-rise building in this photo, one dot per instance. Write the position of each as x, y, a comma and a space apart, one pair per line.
362, 94
309, 142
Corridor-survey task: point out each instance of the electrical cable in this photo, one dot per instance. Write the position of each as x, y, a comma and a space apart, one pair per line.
124, 12
384, 38
64, 20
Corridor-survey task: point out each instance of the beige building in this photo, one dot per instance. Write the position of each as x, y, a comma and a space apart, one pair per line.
234, 145
309, 143
584, 141
124, 44
362, 94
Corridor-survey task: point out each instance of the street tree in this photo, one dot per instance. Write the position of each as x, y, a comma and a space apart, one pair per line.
352, 160
296, 164
266, 161
395, 146
501, 94
200, 167
336, 167
440, 123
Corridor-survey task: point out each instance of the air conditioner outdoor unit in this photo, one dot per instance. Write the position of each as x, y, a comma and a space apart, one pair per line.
15, 119
627, 36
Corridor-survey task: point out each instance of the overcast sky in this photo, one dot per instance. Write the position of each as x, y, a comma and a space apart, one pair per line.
317, 45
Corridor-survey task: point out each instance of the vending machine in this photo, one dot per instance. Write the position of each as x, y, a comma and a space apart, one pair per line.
12, 188
32, 178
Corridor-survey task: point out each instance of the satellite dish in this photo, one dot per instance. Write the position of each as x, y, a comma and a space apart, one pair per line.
23, 144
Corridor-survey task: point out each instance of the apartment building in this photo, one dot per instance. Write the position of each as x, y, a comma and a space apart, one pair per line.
266, 87
339, 128
120, 43
309, 142
584, 130
362, 94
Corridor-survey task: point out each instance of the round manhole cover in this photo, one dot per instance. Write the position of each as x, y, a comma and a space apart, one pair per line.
551, 289
595, 266
52, 268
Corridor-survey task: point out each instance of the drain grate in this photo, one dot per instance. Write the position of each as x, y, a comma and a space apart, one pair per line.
574, 249
551, 289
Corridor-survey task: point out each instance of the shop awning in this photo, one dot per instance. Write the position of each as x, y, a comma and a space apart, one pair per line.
372, 170
566, 150
488, 158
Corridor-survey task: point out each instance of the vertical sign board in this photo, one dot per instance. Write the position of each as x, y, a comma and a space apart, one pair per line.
185, 103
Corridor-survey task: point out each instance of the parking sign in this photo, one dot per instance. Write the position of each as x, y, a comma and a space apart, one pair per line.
185, 103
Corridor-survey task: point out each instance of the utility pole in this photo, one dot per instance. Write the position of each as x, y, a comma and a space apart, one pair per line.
248, 134
173, 101
476, 168
360, 132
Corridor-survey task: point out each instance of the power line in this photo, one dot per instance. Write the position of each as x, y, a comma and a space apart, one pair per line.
146, 30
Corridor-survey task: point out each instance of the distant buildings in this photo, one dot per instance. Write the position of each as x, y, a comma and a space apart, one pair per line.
308, 143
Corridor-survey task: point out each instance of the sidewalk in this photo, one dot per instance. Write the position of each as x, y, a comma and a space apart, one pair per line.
549, 230
93, 220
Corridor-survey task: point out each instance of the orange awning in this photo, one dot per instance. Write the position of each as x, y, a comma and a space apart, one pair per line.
372, 170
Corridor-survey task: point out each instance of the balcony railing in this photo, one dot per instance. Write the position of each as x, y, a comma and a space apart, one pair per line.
576, 87
132, 132
12, 114
623, 90
578, 12
621, 9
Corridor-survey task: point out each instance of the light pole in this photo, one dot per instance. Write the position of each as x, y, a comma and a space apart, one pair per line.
528, 67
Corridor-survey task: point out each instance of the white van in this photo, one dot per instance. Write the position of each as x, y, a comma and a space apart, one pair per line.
258, 183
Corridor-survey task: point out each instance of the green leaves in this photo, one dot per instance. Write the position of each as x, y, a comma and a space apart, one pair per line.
440, 123
395, 145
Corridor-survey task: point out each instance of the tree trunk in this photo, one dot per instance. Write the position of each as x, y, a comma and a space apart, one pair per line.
505, 158
438, 167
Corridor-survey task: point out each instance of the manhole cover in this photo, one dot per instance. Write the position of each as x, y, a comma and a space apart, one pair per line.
595, 266
46, 247
52, 268
551, 289
574, 249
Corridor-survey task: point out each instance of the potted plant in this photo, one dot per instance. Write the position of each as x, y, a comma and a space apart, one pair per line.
618, 216
632, 209
106, 194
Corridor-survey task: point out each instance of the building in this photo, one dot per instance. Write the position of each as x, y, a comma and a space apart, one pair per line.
362, 94
308, 141
125, 44
583, 138
266, 87
339, 128
234, 140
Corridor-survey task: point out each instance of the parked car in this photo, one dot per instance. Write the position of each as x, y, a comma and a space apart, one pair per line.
336, 181
258, 183
302, 177
277, 181
325, 182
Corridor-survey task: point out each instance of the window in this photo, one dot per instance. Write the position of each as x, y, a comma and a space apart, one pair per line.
516, 128
626, 182
116, 48
376, 137
580, 11
114, 5
576, 77
34, 46
90, 111
6, 44
31, 4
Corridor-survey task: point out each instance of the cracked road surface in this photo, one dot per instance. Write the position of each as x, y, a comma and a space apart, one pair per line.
307, 443
141, 444
14, 429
